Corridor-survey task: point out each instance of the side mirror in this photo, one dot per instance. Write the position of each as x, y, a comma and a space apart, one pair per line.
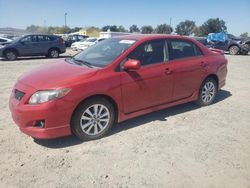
132, 64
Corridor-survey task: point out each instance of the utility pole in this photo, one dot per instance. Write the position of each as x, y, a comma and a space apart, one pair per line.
65, 21
170, 21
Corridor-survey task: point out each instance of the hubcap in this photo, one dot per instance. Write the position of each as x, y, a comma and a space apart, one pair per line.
95, 119
10, 55
234, 50
54, 53
208, 92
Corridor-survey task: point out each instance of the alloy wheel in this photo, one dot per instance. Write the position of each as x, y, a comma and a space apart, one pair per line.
208, 92
95, 119
54, 53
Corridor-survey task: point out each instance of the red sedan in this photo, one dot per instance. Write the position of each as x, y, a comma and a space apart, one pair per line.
115, 80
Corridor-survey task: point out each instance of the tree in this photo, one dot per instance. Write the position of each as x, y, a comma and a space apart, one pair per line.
164, 29
197, 32
121, 29
213, 26
134, 29
105, 28
244, 35
110, 27
147, 29
33, 29
185, 28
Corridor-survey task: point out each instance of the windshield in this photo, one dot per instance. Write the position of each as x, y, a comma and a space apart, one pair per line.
105, 52
91, 40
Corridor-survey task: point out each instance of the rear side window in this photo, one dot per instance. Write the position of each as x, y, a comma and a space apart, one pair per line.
43, 38
182, 49
150, 52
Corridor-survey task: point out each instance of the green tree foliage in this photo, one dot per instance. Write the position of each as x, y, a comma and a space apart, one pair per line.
244, 35
213, 26
163, 29
197, 32
122, 29
134, 29
185, 28
147, 29
110, 27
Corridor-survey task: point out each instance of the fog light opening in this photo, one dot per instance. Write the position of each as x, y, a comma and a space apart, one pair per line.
40, 123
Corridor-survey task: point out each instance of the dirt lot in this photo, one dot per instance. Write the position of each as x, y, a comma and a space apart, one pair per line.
184, 146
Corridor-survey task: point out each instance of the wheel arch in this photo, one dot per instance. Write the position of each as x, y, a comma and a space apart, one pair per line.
54, 47
213, 76
233, 45
107, 97
13, 49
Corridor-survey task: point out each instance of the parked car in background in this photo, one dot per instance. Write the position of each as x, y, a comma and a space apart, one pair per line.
75, 45
227, 42
74, 38
86, 44
115, 80
4, 41
34, 45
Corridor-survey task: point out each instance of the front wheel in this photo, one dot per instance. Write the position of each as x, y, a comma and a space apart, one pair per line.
10, 55
93, 119
234, 50
207, 92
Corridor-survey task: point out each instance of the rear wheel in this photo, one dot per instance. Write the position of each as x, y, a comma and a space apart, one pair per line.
207, 92
93, 119
10, 55
234, 50
53, 53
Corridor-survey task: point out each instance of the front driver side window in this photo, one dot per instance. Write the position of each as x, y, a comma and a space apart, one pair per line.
150, 52
29, 39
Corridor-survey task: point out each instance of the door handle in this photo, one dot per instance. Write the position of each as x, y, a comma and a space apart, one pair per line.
204, 64
168, 71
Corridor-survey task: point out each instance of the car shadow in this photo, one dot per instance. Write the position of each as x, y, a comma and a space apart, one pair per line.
34, 58
160, 115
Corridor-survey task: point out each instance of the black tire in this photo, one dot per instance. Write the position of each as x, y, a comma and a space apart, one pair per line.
79, 113
53, 53
201, 100
234, 50
10, 55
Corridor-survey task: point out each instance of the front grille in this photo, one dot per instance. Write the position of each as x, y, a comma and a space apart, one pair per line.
19, 94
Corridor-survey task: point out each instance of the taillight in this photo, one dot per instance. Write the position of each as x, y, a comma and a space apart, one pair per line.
61, 41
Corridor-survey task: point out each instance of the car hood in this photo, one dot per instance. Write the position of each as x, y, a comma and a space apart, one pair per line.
57, 75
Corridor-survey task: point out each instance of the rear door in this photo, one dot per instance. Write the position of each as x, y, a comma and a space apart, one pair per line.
189, 67
152, 84
44, 44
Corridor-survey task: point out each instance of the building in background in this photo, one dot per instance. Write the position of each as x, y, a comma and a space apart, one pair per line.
90, 31
110, 34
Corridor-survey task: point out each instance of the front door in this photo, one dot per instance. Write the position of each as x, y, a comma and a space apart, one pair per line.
152, 84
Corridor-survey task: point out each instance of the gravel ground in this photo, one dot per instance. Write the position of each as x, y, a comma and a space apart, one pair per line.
183, 146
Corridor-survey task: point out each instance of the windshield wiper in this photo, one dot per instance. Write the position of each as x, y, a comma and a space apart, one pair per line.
81, 62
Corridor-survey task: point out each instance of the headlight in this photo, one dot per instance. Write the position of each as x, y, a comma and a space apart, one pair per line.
47, 95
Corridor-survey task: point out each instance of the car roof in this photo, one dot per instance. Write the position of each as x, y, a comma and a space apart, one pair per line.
33, 34
149, 36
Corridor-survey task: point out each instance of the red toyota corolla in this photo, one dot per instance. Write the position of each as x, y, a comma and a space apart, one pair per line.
115, 80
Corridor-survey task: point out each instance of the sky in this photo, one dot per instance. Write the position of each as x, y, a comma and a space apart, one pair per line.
22, 13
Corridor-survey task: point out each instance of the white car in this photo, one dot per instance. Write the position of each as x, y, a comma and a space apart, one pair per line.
75, 45
4, 41
87, 43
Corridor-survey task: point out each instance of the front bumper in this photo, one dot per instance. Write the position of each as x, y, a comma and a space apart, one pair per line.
56, 115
